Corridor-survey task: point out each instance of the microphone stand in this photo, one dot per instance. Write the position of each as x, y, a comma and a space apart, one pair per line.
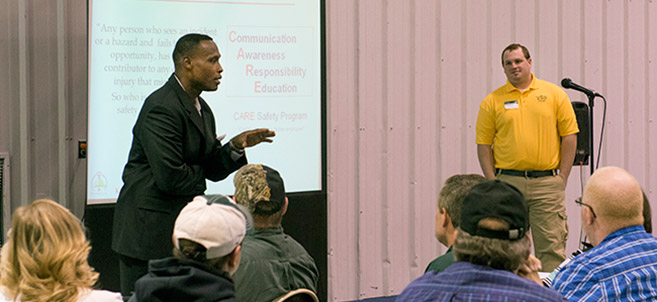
567, 83
591, 97
584, 245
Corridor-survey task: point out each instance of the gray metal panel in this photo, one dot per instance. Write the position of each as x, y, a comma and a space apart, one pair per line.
342, 149
44, 99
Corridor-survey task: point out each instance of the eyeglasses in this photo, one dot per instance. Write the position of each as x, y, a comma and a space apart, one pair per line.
579, 202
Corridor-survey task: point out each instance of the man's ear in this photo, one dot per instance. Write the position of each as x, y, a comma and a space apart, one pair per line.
588, 216
187, 62
285, 206
447, 220
234, 257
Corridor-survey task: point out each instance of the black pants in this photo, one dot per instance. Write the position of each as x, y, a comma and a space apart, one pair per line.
130, 270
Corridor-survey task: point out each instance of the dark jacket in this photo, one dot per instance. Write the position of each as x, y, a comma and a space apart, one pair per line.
172, 279
173, 151
441, 263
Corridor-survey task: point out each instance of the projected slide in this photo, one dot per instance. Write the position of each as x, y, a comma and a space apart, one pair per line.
272, 79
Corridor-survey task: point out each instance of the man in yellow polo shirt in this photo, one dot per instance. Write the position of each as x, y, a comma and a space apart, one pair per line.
526, 136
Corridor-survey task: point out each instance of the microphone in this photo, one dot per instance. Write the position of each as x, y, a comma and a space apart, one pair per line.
568, 83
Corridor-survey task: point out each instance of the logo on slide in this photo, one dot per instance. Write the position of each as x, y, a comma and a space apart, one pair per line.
99, 183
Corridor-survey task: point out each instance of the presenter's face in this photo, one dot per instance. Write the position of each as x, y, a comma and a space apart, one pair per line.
516, 67
205, 68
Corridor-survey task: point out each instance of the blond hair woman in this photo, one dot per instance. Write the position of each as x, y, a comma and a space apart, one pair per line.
45, 257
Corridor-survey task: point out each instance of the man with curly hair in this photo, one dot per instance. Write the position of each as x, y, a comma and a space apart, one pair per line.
273, 263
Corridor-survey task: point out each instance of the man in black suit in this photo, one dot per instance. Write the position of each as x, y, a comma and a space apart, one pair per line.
174, 149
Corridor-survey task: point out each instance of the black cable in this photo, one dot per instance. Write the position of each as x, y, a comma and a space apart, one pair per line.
583, 241
581, 178
602, 131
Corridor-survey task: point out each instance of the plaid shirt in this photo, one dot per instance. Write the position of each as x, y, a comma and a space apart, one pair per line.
623, 267
464, 281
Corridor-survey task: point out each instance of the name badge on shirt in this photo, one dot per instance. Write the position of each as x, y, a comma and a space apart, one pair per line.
511, 105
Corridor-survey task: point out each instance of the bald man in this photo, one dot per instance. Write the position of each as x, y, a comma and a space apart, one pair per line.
622, 266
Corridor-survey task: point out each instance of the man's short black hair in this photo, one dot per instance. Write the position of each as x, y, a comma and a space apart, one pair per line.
186, 44
513, 47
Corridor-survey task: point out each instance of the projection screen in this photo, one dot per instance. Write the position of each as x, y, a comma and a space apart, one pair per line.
272, 79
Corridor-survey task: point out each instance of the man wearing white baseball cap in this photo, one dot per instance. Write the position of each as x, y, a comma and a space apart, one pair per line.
207, 239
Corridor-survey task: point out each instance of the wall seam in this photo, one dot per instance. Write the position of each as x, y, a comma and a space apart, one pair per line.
22, 100
61, 105
385, 133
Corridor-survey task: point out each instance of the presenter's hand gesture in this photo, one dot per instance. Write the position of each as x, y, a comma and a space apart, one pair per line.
253, 137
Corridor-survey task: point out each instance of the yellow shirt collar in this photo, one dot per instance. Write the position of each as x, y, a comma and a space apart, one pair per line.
531, 86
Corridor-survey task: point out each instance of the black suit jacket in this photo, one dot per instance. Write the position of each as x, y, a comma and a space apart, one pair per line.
173, 151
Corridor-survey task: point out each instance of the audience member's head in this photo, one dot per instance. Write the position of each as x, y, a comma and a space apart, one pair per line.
612, 200
450, 199
260, 189
494, 226
647, 215
210, 230
45, 256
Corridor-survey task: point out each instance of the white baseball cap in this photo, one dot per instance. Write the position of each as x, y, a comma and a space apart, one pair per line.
215, 222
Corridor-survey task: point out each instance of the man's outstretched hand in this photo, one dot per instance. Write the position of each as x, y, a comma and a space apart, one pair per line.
251, 138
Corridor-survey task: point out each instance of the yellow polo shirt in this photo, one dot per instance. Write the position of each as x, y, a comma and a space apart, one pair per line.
525, 128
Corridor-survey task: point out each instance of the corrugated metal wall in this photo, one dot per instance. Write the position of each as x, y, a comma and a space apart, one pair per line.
43, 106
405, 79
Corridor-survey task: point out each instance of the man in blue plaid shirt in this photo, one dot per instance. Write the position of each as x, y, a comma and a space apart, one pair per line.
492, 253
623, 264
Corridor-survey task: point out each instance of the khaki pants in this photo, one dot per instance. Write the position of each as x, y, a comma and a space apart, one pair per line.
547, 216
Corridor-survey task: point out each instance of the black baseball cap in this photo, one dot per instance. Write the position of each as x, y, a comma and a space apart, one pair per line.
495, 199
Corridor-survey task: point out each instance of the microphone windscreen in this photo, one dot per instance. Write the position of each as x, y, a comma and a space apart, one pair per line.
566, 82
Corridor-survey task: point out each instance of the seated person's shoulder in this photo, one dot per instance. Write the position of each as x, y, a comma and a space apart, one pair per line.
441, 263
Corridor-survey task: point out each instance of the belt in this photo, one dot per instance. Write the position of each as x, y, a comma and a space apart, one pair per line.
528, 174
